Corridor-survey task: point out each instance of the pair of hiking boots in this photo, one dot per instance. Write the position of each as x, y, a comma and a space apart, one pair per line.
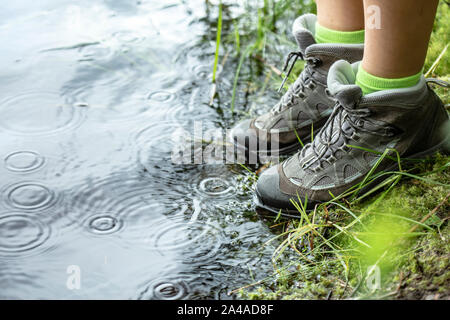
351, 130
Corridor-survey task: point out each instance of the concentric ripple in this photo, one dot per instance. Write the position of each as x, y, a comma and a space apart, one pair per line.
192, 54
183, 230
116, 95
157, 141
214, 182
129, 199
24, 161
103, 224
161, 96
205, 71
190, 241
128, 37
21, 232
215, 186
174, 143
29, 196
167, 289
193, 103
38, 113
171, 235
131, 205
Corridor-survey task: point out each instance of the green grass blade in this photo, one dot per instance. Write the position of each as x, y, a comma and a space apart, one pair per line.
237, 38
219, 33
244, 55
298, 138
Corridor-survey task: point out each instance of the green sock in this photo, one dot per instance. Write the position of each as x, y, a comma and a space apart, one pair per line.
370, 83
325, 35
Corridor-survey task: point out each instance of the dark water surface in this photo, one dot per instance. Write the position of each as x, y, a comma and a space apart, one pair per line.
91, 93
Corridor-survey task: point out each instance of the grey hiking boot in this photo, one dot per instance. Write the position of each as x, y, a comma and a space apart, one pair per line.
305, 104
412, 121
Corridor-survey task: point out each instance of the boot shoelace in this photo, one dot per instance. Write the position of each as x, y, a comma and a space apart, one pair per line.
297, 90
343, 125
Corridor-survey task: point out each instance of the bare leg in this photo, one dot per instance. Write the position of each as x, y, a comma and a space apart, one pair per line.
341, 15
399, 48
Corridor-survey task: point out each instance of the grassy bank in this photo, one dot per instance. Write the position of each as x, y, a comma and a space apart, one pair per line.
399, 235
404, 232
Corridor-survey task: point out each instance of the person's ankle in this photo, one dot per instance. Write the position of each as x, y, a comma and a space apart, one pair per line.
370, 83
326, 35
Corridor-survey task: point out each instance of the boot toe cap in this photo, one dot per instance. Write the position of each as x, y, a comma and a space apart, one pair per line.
269, 193
243, 131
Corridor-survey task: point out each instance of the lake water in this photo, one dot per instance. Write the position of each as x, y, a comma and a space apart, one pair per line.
91, 204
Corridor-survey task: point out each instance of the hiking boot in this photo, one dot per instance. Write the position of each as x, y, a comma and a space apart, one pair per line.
305, 103
412, 121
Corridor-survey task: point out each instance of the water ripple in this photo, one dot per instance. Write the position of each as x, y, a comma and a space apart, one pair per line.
206, 71
24, 161
29, 195
173, 234
166, 289
128, 37
192, 103
132, 205
105, 195
162, 96
38, 113
157, 141
102, 224
215, 187
20, 232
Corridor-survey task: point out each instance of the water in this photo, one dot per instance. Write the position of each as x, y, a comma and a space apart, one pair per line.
91, 93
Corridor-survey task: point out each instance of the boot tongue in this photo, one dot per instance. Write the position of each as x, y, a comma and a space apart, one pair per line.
341, 83
303, 30
349, 96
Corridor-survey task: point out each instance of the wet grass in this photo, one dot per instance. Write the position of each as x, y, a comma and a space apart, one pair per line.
402, 231
397, 229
